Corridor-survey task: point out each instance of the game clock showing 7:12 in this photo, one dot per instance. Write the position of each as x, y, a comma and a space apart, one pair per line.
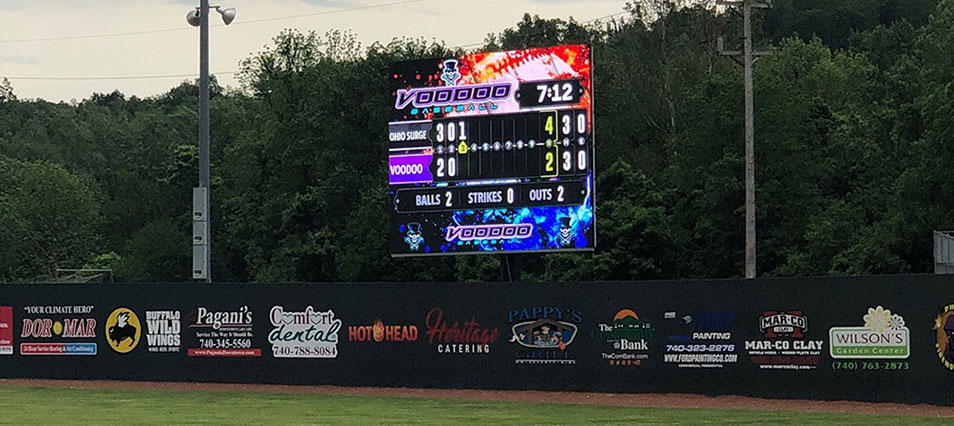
492, 152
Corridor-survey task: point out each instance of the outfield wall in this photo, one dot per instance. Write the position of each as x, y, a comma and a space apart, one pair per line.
818, 338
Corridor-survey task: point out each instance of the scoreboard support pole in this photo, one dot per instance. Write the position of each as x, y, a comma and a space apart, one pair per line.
510, 268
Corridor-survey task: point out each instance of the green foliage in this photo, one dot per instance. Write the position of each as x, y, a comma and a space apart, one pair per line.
50, 218
6, 91
635, 227
835, 22
109, 260
854, 118
534, 31
157, 252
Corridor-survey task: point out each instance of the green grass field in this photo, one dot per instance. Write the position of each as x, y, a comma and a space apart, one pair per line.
32, 405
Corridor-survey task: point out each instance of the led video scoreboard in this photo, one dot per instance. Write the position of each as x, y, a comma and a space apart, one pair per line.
492, 152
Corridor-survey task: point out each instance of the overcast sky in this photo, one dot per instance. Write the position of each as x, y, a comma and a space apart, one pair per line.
457, 22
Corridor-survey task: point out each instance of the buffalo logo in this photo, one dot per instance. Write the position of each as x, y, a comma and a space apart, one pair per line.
123, 330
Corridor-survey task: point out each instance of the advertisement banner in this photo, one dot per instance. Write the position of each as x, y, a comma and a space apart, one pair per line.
785, 343
163, 331
58, 330
305, 334
544, 334
630, 337
885, 339
701, 339
6, 330
450, 335
222, 333
882, 344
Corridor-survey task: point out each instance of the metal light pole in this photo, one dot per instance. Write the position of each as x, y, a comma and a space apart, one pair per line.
748, 59
201, 229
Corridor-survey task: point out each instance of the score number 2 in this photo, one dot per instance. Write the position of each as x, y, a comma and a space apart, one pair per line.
551, 160
450, 170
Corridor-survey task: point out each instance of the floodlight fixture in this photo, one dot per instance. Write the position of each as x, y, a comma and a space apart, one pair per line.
193, 17
228, 15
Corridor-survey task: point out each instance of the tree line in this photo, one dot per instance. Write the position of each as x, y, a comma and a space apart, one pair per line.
854, 133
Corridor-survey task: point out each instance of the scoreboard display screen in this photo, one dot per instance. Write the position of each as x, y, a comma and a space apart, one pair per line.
492, 152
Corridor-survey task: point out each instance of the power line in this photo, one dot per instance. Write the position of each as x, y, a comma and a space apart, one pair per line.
464, 46
153, 77
185, 28
82, 37
126, 77
306, 15
604, 17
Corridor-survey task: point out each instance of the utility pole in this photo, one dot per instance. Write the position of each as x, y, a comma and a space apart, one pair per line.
748, 59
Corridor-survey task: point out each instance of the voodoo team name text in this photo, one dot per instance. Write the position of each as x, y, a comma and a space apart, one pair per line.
458, 338
422, 97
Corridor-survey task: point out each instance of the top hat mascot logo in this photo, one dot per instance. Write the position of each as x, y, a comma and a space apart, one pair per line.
451, 74
566, 232
413, 237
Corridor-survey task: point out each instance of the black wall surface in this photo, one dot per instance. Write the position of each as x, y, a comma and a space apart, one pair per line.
721, 313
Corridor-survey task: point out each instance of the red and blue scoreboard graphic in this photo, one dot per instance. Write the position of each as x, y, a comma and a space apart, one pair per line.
492, 152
